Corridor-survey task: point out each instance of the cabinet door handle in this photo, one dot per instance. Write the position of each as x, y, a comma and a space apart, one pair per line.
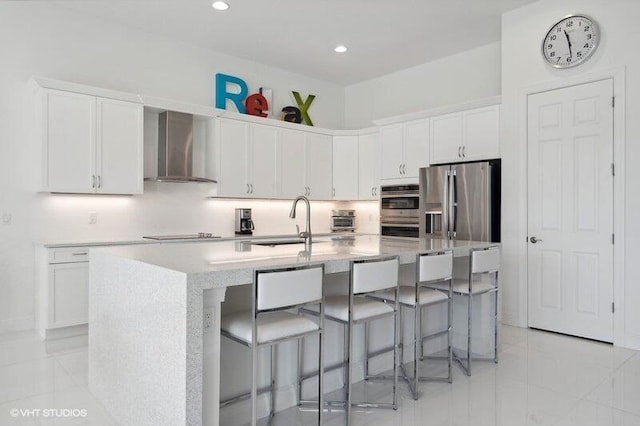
309, 190
459, 148
247, 191
93, 181
372, 194
99, 181
251, 188
404, 169
400, 168
463, 154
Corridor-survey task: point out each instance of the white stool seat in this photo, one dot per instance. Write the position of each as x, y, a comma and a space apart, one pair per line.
427, 296
271, 326
338, 307
461, 286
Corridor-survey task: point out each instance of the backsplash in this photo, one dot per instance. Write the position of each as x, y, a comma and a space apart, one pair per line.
166, 208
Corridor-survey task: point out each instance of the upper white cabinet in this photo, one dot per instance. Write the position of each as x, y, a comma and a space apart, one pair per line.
247, 159
292, 163
345, 167
404, 149
91, 144
466, 135
305, 165
368, 166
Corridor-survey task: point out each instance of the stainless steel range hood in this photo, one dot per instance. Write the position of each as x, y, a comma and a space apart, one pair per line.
175, 149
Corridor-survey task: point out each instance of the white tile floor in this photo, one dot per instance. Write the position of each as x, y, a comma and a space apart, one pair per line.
542, 379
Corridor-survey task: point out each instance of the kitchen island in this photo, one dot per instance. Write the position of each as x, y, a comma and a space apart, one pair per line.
150, 306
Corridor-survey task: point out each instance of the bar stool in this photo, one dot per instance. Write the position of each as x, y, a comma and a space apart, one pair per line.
482, 262
275, 293
433, 287
366, 276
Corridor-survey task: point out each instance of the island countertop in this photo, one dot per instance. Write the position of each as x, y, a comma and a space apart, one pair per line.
152, 298
215, 257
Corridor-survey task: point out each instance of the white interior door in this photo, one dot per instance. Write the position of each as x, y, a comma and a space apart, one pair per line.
570, 210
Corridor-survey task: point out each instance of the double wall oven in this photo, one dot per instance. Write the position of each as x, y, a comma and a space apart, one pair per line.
399, 210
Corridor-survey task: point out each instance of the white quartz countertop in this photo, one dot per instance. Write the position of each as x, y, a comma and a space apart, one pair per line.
128, 240
334, 251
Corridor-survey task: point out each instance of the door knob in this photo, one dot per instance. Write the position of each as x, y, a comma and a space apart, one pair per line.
534, 240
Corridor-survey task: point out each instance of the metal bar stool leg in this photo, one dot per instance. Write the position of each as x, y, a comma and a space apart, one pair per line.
254, 383
450, 330
349, 397
366, 350
273, 383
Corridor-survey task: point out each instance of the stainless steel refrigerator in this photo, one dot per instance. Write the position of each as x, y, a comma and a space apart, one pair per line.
461, 201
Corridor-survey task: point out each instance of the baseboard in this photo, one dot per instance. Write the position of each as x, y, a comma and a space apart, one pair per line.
60, 333
632, 341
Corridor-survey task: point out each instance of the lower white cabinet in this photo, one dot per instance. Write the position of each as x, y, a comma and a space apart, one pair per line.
63, 290
68, 294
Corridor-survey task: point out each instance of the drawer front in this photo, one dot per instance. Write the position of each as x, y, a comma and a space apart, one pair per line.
69, 254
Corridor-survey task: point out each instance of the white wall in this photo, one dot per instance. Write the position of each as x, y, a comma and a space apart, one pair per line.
40, 39
456, 79
523, 67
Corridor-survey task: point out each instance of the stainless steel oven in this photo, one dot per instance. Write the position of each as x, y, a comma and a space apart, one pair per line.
399, 210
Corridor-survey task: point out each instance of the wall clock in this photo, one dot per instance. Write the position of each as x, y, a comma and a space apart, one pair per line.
570, 41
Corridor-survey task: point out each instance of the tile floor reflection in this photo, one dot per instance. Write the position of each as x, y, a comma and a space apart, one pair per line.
541, 379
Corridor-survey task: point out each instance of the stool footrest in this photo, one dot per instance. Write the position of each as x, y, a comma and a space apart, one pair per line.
243, 396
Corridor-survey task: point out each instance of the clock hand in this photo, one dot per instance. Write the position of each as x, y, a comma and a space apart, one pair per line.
568, 41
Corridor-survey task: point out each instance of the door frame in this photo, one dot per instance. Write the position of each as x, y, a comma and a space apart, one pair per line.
617, 74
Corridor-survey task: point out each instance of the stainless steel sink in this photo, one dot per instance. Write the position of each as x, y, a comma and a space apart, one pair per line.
273, 243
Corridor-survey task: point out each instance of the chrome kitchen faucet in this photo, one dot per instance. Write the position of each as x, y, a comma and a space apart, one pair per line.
306, 234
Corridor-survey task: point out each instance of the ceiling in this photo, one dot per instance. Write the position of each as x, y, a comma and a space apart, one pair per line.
299, 35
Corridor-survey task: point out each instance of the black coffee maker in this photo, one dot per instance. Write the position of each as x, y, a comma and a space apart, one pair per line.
244, 224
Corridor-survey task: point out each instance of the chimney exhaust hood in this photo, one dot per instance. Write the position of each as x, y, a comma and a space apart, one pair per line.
175, 149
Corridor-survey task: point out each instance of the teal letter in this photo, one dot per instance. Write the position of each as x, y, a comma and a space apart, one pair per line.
222, 80
304, 107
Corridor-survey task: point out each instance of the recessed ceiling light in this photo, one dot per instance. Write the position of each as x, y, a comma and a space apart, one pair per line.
220, 5
340, 49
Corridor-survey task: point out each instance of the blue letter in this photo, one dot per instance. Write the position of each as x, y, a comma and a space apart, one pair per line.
222, 95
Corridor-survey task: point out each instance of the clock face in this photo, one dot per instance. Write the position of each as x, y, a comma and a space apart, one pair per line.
570, 41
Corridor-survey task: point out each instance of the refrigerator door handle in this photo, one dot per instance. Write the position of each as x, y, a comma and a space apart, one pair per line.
445, 206
453, 204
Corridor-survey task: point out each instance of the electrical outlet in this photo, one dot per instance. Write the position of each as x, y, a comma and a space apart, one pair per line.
6, 219
93, 218
208, 320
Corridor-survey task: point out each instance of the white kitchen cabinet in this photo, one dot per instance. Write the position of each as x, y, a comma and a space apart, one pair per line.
292, 163
368, 166
404, 149
63, 290
345, 167
68, 294
91, 144
247, 159
263, 141
305, 165
466, 135
318, 168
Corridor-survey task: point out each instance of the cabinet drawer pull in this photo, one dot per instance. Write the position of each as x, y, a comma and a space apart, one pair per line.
80, 253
